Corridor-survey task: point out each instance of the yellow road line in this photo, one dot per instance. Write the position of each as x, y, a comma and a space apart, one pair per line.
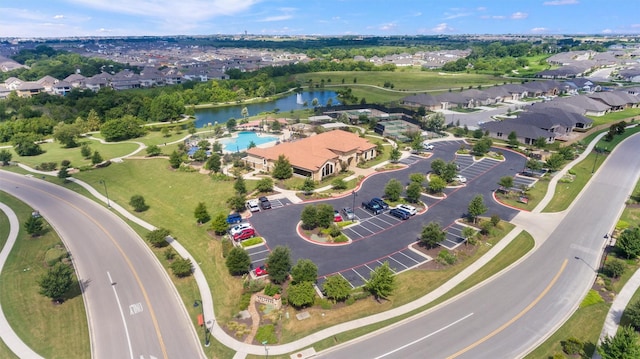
518, 316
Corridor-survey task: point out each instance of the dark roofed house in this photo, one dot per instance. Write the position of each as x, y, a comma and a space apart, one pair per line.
617, 100
428, 101
62, 88
584, 105
451, 100
526, 133
76, 80
28, 89
564, 72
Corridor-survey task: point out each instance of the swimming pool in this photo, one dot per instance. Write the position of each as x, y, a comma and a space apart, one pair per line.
243, 140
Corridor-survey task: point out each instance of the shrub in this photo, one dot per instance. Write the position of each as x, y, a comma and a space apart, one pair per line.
227, 245
47, 166
614, 268
253, 285
572, 346
446, 257
334, 231
55, 255
138, 203
157, 237
339, 184
495, 220
169, 254
181, 267
340, 239
65, 163
272, 289
244, 302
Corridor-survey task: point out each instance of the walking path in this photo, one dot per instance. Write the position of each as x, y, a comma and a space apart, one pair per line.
10, 338
529, 221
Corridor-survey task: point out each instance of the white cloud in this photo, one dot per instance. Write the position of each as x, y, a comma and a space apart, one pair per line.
58, 16
186, 10
538, 30
441, 28
481, 8
416, 14
449, 16
560, 2
498, 17
276, 18
607, 31
635, 26
388, 26
519, 15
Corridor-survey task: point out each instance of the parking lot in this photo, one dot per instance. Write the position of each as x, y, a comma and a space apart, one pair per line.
369, 224
399, 261
471, 169
453, 236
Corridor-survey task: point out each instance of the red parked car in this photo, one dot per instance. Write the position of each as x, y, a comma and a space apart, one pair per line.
262, 270
336, 216
244, 234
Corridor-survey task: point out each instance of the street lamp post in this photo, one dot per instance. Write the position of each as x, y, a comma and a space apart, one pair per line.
104, 183
353, 208
266, 350
198, 303
595, 161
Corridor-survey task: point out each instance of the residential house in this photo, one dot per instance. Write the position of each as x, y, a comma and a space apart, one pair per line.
76, 80
583, 105
47, 82
62, 88
526, 133
317, 156
428, 101
97, 81
29, 88
617, 100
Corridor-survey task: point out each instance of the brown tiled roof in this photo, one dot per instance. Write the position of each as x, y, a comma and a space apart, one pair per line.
313, 152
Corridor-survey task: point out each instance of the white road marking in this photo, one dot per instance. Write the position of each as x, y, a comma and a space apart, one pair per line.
425, 337
135, 308
409, 257
124, 322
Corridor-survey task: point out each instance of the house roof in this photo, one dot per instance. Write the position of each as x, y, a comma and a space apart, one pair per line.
522, 129
583, 103
615, 98
551, 117
422, 99
313, 152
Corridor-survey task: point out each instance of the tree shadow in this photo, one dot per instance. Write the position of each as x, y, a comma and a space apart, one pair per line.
77, 289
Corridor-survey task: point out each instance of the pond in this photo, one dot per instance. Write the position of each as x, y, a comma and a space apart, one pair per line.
207, 116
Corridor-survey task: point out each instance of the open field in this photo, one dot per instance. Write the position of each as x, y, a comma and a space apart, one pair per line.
626, 115
53, 331
54, 152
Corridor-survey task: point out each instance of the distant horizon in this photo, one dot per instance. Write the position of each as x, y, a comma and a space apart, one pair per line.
45, 19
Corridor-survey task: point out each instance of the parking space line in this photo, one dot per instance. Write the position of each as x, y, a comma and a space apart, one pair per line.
402, 264
402, 252
354, 271
367, 265
348, 281
376, 226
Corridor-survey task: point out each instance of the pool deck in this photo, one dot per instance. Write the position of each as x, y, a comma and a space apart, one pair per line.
286, 134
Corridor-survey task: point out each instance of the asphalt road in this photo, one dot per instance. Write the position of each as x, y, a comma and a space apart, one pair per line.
332, 259
515, 312
133, 308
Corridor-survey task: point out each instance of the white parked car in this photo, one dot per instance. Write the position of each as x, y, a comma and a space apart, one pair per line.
239, 228
407, 208
253, 205
459, 178
427, 146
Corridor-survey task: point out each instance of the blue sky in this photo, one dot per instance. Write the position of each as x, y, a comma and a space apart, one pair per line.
54, 18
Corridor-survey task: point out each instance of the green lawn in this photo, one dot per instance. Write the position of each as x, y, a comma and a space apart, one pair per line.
53, 331
54, 152
615, 116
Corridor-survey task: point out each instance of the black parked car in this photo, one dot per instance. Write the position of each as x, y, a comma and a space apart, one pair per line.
397, 212
264, 203
381, 203
372, 207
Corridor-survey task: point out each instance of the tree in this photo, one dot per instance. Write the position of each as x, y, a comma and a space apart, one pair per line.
57, 281
279, 264
476, 208
34, 226
437, 166
417, 178
435, 122
449, 171
122, 128
436, 184
138, 203
513, 139
5, 157
534, 164
201, 214
506, 182
324, 215
282, 168
200, 155
181, 267
309, 217
308, 185
481, 147
381, 282
175, 159
624, 345
85, 151
540, 142
395, 154
213, 163
632, 313
265, 185
93, 122
304, 271
554, 162
96, 158
336, 287
219, 224
63, 173
166, 107
153, 150
301, 294
468, 233
66, 134
240, 186
393, 190
25, 144
414, 190
158, 237
238, 261
236, 202
431, 235
339, 184
231, 124
629, 242
245, 112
